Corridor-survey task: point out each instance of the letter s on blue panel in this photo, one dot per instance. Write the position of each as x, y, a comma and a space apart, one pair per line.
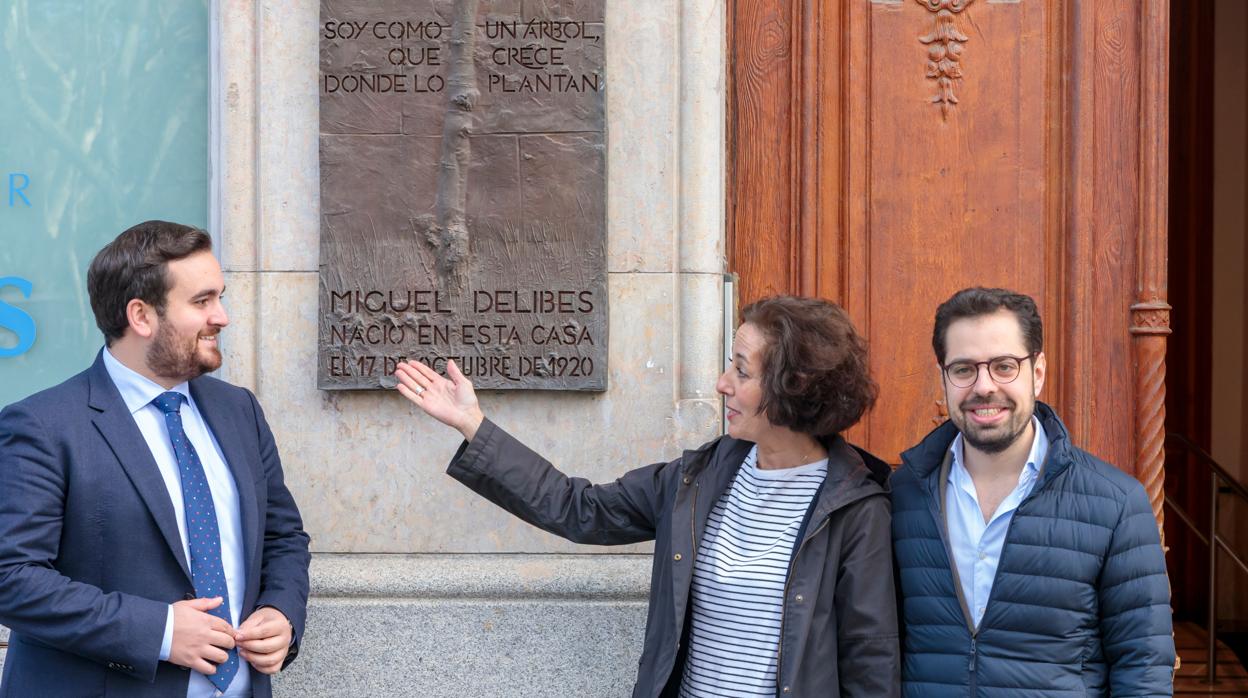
17, 320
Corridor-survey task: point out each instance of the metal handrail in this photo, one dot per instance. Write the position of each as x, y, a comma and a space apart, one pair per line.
1220, 478
1230, 480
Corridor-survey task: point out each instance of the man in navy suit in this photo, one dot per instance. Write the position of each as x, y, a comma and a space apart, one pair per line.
148, 543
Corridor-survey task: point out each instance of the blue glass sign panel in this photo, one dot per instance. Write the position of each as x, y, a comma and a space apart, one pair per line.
103, 124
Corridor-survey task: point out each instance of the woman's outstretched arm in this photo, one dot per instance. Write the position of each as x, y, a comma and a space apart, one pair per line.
500, 468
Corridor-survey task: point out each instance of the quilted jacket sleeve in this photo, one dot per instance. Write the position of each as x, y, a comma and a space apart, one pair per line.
498, 467
1134, 591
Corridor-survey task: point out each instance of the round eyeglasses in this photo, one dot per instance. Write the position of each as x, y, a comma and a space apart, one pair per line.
1001, 369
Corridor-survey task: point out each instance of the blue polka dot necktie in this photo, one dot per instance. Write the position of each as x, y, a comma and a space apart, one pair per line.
203, 535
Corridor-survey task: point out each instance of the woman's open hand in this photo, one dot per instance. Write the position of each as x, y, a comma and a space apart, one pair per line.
452, 402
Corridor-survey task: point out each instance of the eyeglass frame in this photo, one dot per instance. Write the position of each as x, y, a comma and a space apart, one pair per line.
944, 370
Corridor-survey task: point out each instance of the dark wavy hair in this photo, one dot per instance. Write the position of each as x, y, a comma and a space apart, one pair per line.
134, 266
978, 301
815, 376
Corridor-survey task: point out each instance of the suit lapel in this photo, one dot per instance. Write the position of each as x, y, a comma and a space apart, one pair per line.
225, 426
117, 426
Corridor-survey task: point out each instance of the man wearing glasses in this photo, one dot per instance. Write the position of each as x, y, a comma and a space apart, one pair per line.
1026, 565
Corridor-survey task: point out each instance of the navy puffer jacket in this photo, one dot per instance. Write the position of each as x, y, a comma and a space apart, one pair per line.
1080, 605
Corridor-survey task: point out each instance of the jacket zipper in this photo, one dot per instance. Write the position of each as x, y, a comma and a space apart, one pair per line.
974, 650
693, 526
784, 603
693, 534
995, 578
942, 527
974, 629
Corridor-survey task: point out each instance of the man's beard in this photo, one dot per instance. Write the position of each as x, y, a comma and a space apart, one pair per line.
170, 357
988, 442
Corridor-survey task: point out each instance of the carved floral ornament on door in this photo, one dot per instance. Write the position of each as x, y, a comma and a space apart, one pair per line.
944, 50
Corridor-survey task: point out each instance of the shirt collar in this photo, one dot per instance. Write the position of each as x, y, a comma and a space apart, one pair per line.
137, 391
1035, 456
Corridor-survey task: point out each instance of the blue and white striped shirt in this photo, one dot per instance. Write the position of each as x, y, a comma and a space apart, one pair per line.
739, 577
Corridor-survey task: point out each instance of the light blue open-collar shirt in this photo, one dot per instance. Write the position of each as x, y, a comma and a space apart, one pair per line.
138, 392
976, 545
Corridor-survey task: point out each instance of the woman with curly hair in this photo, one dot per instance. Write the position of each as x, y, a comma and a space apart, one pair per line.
772, 571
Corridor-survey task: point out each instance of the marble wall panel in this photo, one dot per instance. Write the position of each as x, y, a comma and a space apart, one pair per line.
239, 339
232, 216
471, 625
701, 341
644, 177
703, 141
498, 647
286, 150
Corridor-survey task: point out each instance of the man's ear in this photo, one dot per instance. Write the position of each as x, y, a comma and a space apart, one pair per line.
142, 318
1038, 372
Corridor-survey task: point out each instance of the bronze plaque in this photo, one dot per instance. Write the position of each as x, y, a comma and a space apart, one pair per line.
463, 192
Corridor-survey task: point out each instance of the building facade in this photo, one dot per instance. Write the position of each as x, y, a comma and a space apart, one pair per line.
882, 153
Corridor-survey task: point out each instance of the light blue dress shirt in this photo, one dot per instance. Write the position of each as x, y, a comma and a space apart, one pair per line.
138, 392
977, 545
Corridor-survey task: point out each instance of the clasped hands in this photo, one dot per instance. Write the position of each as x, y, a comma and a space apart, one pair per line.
201, 640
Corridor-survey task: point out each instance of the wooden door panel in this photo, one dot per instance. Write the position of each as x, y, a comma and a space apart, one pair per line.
928, 145
761, 41
958, 191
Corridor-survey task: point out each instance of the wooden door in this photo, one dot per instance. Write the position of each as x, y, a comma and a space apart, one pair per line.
885, 153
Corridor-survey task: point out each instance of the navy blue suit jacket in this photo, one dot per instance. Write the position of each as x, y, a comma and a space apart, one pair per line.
90, 555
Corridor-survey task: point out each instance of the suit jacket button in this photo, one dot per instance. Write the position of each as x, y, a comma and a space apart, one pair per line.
188, 596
